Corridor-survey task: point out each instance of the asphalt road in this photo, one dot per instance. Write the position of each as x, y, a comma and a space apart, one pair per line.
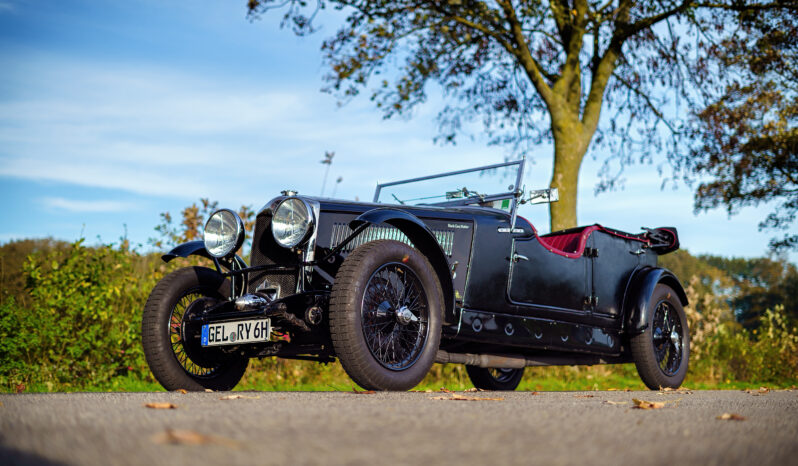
400, 428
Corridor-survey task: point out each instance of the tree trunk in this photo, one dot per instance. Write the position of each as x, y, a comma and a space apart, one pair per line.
570, 146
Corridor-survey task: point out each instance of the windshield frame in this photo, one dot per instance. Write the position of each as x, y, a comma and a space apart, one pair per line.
471, 200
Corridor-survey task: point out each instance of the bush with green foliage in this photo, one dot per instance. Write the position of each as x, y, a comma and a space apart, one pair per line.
82, 324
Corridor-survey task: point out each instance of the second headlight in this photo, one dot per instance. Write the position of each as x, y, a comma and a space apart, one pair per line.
224, 233
291, 222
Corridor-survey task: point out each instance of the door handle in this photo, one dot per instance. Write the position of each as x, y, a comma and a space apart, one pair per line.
638, 252
518, 257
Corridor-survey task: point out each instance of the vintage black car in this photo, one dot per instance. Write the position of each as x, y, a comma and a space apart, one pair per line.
436, 269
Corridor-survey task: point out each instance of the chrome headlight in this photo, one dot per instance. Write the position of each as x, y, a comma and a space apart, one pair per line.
224, 233
292, 221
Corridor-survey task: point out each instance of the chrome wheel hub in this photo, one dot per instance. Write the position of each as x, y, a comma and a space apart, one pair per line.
404, 316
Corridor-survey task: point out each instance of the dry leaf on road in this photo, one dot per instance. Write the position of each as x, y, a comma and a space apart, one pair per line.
190, 437
584, 396
182, 390
642, 404
616, 402
364, 392
731, 417
161, 405
239, 397
456, 397
208, 390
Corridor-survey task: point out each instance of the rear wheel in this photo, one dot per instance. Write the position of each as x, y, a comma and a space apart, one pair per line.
385, 315
174, 355
495, 379
661, 353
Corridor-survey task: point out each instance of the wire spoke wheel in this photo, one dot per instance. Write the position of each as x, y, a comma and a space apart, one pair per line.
667, 338
395, 315
176, 337
661, 351
502, 375
485, 378
171, 339
386, 308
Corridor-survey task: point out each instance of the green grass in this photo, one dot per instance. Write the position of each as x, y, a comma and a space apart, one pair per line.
282, 375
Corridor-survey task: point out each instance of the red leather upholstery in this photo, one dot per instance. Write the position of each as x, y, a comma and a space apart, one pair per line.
571, 245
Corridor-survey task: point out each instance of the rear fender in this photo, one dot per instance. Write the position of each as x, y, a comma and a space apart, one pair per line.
638, 296
424, 240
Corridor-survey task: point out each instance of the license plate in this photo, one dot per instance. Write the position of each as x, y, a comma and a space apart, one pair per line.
236, 332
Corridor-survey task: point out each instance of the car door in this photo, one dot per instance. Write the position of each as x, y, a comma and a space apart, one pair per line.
542, 278
615, 259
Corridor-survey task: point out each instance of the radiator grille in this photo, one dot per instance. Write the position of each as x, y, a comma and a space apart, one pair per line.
341, 231
262, 248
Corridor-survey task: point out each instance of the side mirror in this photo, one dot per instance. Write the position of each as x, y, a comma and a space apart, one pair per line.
543, 196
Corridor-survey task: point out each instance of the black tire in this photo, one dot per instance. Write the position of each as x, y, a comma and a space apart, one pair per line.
662, 352
403, 279
161, 334
494, 379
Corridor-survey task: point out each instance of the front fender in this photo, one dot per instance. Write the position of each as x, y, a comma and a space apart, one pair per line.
424, 240
197, 248
192, 248
638, 297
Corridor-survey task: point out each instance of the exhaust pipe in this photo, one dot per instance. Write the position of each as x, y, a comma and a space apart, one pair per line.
517, 361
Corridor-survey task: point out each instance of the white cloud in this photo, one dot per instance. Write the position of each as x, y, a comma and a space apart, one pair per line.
161, 132
94, 206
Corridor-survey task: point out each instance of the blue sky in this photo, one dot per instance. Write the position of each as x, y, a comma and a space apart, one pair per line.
112, 112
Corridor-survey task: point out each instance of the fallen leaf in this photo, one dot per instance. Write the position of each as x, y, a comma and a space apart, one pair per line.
239, 397
209, 390
428, 391
446, 390
190, 437
612, 389
20, 388
642, 404
473, 389
182, 390
763, 390
535, 393
456, 397
731, 417
627, 389
364, 392
616, 402
161, 405
584, 396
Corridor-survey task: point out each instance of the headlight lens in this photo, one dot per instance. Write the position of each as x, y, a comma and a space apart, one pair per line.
291, 222
224, 233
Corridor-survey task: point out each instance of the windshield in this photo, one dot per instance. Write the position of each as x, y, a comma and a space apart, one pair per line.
492, 186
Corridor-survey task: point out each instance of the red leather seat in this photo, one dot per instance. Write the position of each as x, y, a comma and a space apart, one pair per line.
570, 245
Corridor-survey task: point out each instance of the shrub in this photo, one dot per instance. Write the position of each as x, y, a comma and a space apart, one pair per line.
82, 324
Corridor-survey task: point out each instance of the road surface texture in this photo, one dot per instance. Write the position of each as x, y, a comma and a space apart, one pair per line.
551, 428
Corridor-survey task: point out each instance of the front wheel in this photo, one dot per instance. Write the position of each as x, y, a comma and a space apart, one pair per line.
495, 379
661, 353
174, 355
385, 315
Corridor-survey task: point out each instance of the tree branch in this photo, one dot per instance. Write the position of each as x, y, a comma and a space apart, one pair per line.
521, 50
